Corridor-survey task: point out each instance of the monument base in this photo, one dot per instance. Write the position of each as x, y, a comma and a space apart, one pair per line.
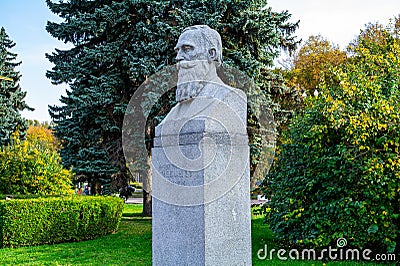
217, 233
201, 216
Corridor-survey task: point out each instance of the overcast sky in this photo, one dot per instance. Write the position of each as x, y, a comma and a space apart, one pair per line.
24, 20
341, 20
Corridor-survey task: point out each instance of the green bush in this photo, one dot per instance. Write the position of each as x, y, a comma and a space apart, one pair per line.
26, 196
338, 173
39, 221
33, 166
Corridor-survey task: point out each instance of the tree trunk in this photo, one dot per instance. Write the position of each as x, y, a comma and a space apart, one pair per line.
147, 187
95, 186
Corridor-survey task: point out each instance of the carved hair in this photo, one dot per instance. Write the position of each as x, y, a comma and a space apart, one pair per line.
211, 37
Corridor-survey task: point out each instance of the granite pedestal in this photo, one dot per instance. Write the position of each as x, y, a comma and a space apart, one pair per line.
201, 184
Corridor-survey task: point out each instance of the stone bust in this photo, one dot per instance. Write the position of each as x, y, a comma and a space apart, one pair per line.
199, 53
200, 163
200, 91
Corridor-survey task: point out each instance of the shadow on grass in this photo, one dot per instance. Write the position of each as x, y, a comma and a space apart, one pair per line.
131, 215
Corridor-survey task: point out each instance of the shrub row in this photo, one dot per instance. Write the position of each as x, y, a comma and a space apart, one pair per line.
25, 222
26, 196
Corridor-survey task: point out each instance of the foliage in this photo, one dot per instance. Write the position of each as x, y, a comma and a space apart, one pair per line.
308, 67
118, 44
11, 96
33, 166
312, 62
43, 136
35, 122
26, 196
57, 220
338, 173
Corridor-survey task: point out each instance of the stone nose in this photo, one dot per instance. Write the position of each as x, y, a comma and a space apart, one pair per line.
179, 56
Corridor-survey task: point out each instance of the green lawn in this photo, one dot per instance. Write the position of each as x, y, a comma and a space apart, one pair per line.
131, 245
261, 235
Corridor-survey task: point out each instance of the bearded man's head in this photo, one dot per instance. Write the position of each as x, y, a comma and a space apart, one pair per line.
199, 52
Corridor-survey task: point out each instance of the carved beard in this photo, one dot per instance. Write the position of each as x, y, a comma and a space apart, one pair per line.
192, 76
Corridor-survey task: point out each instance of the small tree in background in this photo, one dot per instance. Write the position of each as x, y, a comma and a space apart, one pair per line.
33, 166
11, 96
338, 173
306, 68
311, 62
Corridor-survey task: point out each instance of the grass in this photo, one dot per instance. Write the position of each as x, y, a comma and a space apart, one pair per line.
261, 235
130, 245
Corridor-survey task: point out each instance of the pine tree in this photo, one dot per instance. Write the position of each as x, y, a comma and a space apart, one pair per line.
117, 44
11, 95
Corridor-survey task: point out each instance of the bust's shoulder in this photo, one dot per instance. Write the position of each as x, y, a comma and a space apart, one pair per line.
221, 91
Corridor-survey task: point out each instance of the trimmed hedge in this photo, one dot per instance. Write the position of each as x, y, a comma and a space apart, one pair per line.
27, 196
26, 222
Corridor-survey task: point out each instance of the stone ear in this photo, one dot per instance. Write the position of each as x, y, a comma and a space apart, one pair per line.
212, 55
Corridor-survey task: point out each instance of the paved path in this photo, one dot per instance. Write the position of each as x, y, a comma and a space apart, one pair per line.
140, 201
134, 201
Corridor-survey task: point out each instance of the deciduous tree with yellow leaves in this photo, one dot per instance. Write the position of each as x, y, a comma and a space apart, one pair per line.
313, 60
33, 166
338, 175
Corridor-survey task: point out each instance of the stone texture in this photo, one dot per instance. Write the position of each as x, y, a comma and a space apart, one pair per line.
201, 182
201, 223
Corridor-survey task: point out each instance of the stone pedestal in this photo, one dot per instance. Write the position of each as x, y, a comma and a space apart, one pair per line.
201, 184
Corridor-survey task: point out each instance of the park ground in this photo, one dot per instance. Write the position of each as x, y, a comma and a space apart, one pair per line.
131, 245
